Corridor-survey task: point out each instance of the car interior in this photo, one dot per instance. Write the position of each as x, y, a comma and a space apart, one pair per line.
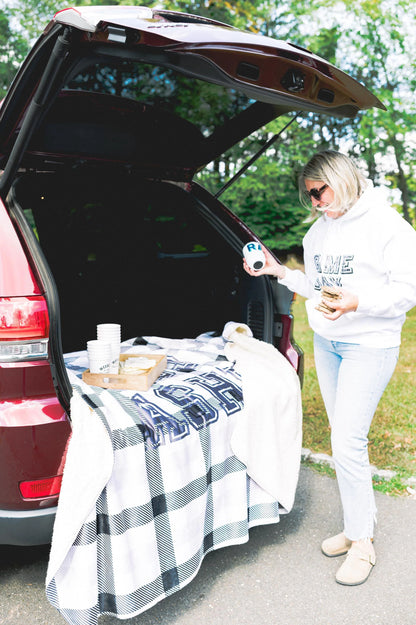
142, 253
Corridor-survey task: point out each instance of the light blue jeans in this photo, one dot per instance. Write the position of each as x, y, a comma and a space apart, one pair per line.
352, 379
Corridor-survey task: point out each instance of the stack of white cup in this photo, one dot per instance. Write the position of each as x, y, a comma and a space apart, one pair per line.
111, 333
99, 356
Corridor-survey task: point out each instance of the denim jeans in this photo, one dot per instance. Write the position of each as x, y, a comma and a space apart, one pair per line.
352, 379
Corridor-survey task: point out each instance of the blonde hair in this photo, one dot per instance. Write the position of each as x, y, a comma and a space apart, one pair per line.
337, 171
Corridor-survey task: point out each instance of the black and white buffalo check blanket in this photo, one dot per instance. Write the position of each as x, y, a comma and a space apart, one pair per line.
151, 483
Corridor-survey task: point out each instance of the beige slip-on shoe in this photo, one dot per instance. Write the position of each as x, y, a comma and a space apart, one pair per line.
336, 545
358, 565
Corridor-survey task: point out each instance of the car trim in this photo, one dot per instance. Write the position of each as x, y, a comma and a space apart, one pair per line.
27, 527
23, 351
88, 20
44, 275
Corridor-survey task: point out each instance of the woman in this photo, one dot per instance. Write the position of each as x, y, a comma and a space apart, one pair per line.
365, 251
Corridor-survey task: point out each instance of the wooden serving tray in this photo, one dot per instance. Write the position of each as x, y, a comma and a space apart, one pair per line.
135, 382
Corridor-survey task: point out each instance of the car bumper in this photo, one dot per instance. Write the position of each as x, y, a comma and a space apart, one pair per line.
26, 527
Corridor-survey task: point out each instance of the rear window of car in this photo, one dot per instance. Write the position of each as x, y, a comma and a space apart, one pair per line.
204, 104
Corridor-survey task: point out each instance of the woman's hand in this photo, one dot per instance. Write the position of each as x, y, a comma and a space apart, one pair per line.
348, 302
271, 268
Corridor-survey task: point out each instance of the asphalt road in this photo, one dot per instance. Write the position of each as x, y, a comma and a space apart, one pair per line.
279, 577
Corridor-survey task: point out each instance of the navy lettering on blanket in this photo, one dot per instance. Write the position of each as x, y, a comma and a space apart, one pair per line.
190, 408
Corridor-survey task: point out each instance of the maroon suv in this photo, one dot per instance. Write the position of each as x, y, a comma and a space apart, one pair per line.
101, 219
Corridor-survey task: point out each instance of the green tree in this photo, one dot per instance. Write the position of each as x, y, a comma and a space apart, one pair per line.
387, 44
372, 40
13, 48
244, 14
32, 16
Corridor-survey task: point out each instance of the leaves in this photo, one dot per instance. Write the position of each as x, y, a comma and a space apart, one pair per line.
373, 40
13, 48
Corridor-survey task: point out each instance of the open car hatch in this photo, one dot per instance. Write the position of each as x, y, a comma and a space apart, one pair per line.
266, 69
43, 105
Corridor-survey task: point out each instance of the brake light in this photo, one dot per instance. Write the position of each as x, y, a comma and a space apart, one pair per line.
24, 328
35, 489
23, 318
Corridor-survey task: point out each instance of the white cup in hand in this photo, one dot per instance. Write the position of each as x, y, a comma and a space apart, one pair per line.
254, 255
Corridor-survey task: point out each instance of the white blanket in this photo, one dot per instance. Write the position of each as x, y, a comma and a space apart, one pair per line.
268, 436
151, 483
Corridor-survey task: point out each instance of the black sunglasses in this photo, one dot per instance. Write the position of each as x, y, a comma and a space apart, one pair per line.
316, 193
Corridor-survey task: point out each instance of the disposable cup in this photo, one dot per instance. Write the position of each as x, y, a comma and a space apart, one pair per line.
97, 347
115, 358
99, 356
109, 330
111, 333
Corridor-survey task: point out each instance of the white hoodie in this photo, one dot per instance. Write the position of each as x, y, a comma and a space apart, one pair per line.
370, 251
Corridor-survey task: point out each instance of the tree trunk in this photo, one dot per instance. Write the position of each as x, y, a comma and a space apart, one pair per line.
401, 180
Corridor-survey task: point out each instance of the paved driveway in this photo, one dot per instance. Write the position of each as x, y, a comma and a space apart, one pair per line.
279, 577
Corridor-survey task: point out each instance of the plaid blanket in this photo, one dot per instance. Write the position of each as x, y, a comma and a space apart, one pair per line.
151, 484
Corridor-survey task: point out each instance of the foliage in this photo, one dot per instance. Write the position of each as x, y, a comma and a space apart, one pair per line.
374, 43
32, 16
165, 88
383, 37
266, 196
245, 14
373, 40
13, 47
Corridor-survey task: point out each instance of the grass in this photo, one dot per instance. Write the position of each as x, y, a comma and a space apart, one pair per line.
392, 438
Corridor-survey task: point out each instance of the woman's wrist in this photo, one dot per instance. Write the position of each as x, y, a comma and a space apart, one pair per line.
280, 272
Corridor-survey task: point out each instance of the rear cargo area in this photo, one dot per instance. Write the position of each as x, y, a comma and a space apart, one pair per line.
142, 253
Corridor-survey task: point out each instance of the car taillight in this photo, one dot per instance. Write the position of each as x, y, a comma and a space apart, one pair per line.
24, 328
35, 489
